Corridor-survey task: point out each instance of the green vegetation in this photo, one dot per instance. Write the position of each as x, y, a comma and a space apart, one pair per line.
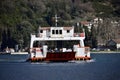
19, 18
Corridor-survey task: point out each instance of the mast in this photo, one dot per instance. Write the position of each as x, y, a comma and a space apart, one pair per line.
56, 20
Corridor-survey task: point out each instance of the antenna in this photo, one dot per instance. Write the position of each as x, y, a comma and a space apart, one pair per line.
56, 20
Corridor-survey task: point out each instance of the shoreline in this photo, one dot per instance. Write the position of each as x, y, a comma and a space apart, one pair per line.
105, 52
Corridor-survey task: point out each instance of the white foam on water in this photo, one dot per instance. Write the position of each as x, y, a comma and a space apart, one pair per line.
69, 63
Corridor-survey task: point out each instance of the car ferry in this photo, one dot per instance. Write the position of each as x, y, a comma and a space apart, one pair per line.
58, 36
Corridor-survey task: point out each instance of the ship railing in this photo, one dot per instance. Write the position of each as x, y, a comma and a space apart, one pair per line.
33, 35
79, 34
35, 49
36, 35
39, 35
87, 49
75, 35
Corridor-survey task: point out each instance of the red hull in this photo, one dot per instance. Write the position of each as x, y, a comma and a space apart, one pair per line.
60, 56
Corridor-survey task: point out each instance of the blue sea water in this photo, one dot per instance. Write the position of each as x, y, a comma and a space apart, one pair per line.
101, 67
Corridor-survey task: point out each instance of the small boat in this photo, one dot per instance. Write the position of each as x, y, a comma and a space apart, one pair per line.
58, 35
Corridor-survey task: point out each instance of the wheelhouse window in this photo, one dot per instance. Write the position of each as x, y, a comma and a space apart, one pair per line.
56, 31
60, 31
53, 31
41, 31
68, 31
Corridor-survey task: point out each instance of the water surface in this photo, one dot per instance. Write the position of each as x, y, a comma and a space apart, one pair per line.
101, 67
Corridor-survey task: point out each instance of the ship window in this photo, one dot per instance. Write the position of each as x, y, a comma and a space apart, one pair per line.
56, 31
41, 31
53, 31
60, 31
68, 31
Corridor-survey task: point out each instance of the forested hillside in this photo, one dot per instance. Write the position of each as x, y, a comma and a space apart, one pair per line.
19, 18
